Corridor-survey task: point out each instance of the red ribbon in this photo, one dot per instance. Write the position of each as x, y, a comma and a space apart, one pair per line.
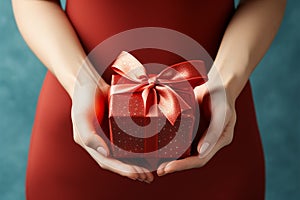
165, 86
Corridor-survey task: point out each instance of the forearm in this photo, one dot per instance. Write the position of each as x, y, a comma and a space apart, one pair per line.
246, 40
50, 35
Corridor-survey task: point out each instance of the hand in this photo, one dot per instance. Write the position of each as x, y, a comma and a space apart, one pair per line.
85, 135
218, 134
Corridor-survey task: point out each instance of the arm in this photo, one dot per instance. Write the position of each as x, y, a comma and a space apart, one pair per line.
246, 40
50, 35
48, 32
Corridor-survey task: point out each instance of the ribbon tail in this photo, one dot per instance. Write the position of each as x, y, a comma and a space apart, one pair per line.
145, 94
170, 103
149, 96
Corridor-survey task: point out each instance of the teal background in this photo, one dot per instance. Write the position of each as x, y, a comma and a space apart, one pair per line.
276, 86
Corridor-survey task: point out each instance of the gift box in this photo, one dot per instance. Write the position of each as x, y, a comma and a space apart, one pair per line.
152, 115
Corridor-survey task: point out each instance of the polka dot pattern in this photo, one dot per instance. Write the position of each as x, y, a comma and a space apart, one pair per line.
158, 134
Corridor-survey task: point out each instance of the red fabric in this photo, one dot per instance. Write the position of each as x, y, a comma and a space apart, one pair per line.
60, 169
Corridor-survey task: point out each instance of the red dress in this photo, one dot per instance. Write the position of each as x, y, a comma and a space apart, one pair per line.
58, 168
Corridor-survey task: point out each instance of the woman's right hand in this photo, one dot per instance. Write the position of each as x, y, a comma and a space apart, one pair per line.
84, 131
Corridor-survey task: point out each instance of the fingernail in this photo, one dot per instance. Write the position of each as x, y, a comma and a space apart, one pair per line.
147, 181
203, 148
161, 174
102, 151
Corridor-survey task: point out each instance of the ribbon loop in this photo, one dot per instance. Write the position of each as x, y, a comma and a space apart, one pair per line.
165, 86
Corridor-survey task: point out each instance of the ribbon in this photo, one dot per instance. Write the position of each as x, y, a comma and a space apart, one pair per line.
165, 86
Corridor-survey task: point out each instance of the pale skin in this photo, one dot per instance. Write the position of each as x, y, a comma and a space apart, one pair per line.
246, 40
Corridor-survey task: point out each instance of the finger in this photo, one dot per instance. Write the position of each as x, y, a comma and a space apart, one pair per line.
224, 139
114, 165
183, 164
214, 131
160, 170
187, 163
85, 135
193, 161
197, 161
140, 172
144, 174
96, 142
227, 136
219, 115
83, 116
95, 145
149, 175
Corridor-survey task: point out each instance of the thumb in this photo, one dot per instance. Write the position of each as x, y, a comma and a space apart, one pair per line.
97, 143
86, 135
212, 135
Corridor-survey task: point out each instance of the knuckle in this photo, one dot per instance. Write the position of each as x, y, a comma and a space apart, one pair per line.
228, 139
103, 166
74, 113
88, 140
234, 117
76, 138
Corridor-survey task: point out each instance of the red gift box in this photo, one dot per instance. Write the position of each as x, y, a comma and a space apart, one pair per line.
152, 116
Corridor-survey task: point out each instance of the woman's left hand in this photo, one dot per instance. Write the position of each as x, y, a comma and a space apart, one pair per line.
219, 132
244, 43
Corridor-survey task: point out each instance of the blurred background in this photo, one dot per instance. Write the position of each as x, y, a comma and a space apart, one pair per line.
276, 86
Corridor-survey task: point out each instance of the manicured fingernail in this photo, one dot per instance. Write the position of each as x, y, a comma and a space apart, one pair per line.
203, 148
147, 181
102, 151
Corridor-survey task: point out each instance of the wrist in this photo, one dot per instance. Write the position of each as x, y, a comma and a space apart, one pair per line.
82, 74
84, 79
68, 82
229, 79
231, 85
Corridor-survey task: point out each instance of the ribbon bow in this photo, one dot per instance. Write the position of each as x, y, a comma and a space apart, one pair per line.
165, 86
